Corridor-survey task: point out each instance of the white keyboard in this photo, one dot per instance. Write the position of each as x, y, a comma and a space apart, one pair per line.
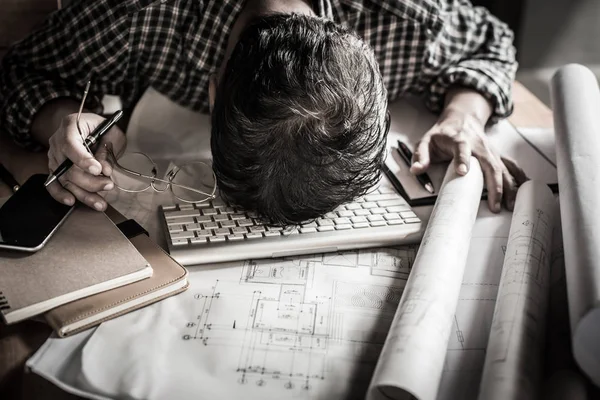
215, 232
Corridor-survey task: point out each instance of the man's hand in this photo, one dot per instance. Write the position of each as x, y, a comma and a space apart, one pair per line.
459, 135
88, 175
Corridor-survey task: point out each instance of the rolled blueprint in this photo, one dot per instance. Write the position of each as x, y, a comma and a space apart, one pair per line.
513, 359
576, 108
412, 358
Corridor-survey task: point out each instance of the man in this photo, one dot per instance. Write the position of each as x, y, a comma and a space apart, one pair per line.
298, 100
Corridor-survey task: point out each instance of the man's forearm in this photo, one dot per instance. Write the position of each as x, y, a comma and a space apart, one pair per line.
468, 101
48, 118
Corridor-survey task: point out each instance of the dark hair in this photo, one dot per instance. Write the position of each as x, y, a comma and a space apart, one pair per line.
299, 120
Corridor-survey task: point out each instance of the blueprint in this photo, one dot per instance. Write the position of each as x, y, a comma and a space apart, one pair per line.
310, 327
513, 366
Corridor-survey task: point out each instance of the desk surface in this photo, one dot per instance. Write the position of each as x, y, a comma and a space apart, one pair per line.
19, 342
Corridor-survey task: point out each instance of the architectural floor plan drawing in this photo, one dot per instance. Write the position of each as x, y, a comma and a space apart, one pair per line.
305, 328
301, 320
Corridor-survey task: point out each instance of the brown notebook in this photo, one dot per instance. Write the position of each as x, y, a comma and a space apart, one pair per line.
88, 254
169, 278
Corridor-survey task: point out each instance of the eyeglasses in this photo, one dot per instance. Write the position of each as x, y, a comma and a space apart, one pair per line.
135, 172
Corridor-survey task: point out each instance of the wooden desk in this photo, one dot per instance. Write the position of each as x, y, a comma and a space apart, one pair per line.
19, 342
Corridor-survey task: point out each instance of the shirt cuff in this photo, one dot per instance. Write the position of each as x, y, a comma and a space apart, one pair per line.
16, 117
493, 84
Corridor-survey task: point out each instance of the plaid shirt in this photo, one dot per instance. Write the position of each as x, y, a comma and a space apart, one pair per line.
423, 47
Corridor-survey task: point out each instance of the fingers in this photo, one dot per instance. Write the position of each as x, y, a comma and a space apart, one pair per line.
462, 156
60, 194
74, 149
93, 200
516, 171
421, 159
509, 186
80, 185
492, 173
105, 160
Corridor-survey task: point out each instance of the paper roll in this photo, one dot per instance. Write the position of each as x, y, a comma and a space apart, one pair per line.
576, 108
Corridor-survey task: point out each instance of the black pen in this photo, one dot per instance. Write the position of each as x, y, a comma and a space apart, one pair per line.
423, 178
7, 178
89, 142
395, 182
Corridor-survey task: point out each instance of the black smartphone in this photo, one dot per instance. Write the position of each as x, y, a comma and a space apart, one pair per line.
30, 216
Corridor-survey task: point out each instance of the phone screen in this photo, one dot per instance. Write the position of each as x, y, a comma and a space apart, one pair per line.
30, 216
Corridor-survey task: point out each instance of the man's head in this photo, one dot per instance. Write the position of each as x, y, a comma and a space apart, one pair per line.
299, 118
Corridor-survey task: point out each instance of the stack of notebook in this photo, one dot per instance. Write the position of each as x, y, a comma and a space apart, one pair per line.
88, 272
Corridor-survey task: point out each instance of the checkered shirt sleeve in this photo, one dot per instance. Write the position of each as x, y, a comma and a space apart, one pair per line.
87, 38
474, 50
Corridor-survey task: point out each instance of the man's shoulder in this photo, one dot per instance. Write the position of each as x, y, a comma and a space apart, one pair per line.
420, 11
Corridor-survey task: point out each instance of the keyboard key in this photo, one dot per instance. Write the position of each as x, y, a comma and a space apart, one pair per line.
309, 225
388, 203
341, 221
379, 197
308, 230
228, 224
254, 235
346, 213
220, 217
369, 204
378, 211
179, 242
362, 212
361, 225
209, 211
353, 206
257, 228
218, 203
325, 228
356, 220
274, 228
193, 227
204, 233
331, 215
216, 239
412, 220
387, 189
210, 225
252, 214
391, 216
395, 222
180, 221
182, 235
169, 208
289, 231
398, 208
272, 233
343, 226
175, 228
325, 222
200, 240
222, 231
203, 218
180, 214
245, 222
372, 218
228, 210
377, 223
237, 216
240, 230
408, 214
236, 237
186, 206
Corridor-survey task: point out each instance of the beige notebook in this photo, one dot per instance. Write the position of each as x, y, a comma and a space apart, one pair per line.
87, 255
169, 278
